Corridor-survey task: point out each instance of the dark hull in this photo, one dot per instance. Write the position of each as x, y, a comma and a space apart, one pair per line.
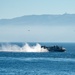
54, 48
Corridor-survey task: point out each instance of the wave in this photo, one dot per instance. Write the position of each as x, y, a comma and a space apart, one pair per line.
39, 59
25, 48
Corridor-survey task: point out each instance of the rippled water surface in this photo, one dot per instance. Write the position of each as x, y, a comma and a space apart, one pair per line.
48, 63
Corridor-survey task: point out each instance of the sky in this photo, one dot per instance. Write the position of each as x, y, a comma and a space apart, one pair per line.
15, 8
37, 33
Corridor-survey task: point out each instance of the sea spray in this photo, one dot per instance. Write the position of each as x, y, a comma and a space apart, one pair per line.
24, 48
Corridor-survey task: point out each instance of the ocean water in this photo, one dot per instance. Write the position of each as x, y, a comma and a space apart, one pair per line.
16, 62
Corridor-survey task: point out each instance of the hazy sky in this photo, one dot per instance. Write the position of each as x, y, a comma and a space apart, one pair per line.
37, 33
14, 8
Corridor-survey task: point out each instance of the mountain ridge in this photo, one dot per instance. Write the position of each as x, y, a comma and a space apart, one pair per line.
45, 19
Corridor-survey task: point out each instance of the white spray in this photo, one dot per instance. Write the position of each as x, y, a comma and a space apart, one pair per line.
25, 48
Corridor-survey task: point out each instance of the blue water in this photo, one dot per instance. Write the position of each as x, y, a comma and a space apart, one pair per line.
49, 63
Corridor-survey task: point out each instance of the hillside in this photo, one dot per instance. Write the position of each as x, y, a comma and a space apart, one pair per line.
64, 19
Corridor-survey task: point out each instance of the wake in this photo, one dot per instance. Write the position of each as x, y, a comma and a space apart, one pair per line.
25, 48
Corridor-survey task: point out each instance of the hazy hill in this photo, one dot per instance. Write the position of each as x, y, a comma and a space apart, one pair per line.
64, 19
